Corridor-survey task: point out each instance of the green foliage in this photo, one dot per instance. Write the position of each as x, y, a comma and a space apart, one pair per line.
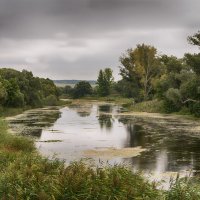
183, 189
174, 96
104, 82
140, 66
3, 93
82, 89
68, 90
195, 108
152, 106
195, 39
18, 89
127, 89
172, 64
50, 100
14, 97
193, 60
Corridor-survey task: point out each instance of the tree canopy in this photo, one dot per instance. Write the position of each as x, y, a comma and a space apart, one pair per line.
18, 89
104, 82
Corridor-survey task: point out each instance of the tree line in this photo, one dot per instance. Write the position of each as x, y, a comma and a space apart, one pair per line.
19, 89
147, 76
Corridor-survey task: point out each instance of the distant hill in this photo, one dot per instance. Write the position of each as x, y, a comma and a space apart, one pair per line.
62, 83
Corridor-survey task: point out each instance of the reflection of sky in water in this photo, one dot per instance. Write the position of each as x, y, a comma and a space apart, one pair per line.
80, 133
91, 126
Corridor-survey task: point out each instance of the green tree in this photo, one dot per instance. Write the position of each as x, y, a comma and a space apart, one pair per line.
3, 94
171, 69
193, 61
22, 88
15, 98
195, 39
141, 65
82, 89
104, 82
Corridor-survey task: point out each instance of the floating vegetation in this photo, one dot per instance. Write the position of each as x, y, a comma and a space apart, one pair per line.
32, 121
113, 152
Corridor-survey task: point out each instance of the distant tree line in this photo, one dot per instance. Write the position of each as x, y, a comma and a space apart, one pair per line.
147, 76
18, 89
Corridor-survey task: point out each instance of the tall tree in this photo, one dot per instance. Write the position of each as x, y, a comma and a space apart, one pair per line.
82, 89
104, 82
141, 65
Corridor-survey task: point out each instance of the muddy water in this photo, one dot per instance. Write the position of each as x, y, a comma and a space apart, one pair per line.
166, 144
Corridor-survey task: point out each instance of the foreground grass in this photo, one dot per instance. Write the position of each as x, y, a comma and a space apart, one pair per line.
24, 174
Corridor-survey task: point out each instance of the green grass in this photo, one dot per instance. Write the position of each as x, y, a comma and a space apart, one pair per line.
153, 106
4, 112
114, 99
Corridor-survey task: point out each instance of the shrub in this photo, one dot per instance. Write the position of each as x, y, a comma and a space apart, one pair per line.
51, 100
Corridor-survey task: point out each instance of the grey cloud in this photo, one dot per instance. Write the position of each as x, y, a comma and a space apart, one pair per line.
64, 27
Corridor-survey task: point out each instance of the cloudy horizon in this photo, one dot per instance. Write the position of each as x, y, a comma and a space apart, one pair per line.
74, 39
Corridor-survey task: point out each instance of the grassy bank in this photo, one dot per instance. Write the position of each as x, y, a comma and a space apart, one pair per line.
24, 174
9, 111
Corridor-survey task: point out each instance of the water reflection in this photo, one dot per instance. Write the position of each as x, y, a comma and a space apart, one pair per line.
106, 121
85, 126
167, 151
108, 108
82, 110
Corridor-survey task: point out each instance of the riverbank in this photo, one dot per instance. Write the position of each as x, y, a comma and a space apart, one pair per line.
25, 174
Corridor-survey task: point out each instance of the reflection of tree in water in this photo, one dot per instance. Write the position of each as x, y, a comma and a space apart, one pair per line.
83, 110
83, 113
167, 151
105, 121
105, 108
136, 134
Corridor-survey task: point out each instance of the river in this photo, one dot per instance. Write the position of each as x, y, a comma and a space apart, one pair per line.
169, 144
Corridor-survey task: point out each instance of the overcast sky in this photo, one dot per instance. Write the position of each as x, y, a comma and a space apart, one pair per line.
73, 39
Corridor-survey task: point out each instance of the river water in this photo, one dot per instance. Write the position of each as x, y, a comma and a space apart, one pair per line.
171, 144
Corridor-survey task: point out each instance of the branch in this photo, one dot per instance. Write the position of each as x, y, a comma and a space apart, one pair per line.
187, 100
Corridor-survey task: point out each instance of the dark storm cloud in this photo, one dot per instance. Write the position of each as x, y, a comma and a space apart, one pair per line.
54, 37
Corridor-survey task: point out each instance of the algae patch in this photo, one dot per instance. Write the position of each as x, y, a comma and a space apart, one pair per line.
113, 152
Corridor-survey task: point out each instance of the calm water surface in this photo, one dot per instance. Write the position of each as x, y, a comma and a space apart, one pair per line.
173, 144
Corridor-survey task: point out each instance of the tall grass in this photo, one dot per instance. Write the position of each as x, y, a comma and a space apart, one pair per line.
153, 106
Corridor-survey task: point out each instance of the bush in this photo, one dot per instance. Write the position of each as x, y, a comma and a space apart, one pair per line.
51, 100
195, 109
